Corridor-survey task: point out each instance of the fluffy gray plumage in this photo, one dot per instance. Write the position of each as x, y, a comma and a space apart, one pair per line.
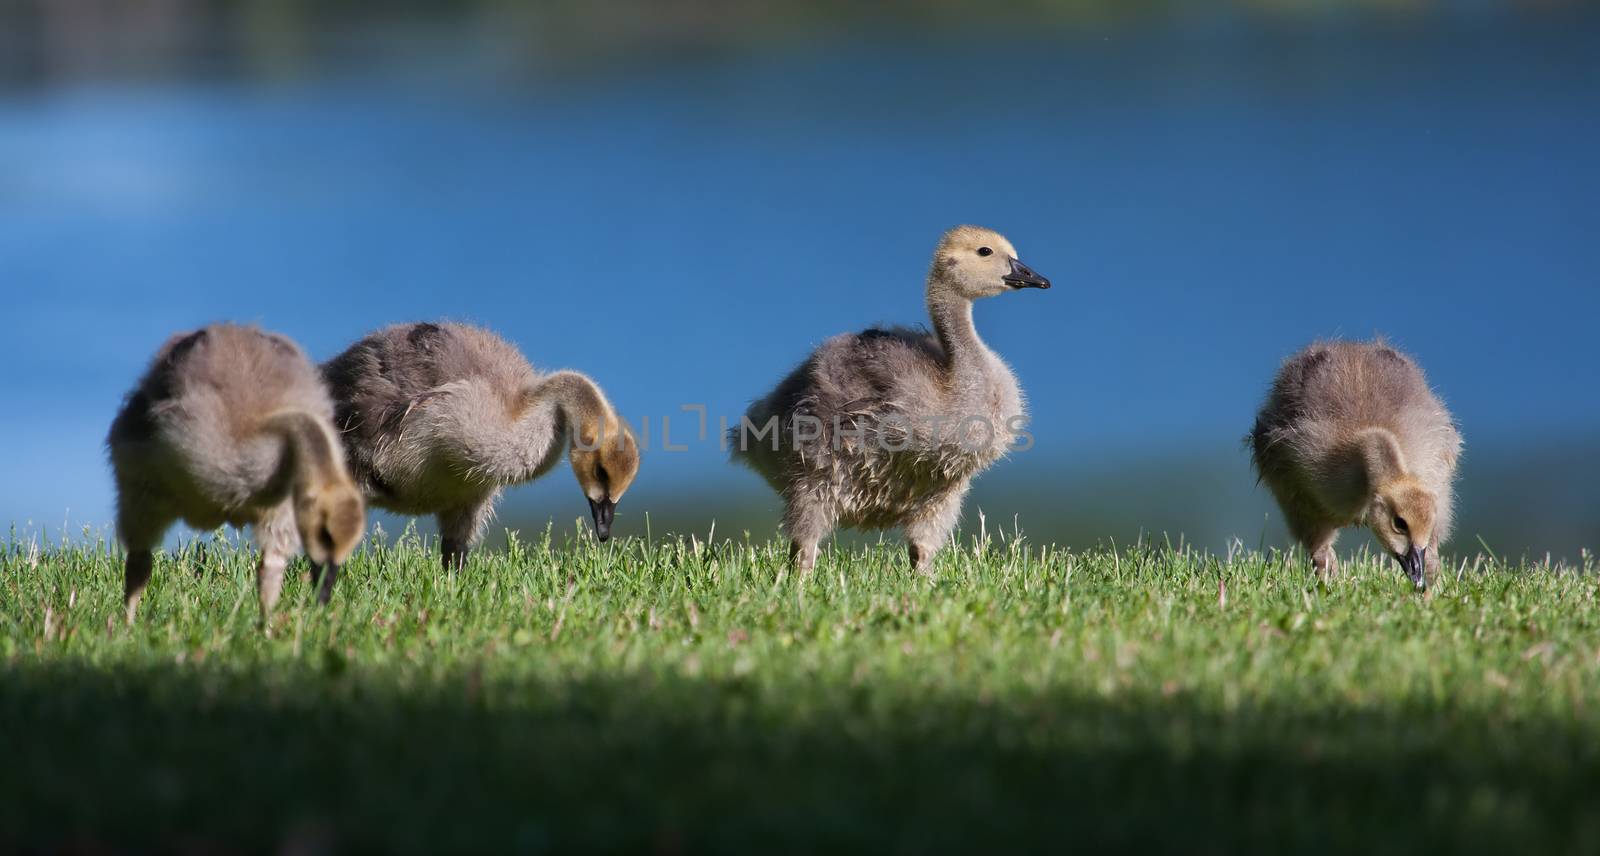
439, 418
887, 428
1351, 434
231, 425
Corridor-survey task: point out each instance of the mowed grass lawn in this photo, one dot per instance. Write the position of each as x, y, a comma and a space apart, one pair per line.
684, 698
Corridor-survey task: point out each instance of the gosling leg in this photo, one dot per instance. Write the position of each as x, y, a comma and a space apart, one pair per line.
277, 540
1323, 559
136, 575
931, 530
141, 527
806, 523
460, 529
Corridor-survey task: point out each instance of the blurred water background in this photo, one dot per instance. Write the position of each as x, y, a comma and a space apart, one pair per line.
681, 198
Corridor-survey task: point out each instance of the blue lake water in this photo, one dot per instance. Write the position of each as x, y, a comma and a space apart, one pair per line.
1206, 201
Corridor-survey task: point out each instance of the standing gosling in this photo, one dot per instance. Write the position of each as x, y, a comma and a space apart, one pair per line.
886, 428
439, 418
1351, 434
232, 425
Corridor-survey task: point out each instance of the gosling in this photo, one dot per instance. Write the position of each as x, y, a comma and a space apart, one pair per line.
440, 418
1352, 435
232, 425
886, 428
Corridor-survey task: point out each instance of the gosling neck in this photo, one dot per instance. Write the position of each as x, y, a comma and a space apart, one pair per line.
314, 459
586, 416
1380, 455
951, 314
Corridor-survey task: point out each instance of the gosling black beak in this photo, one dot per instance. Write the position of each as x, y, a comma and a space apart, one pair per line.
1413, 561
602, 511
1022, 276
329, 574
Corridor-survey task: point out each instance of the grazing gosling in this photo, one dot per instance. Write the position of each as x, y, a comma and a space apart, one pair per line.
439, 418
1351, 434
886, 428
232, 425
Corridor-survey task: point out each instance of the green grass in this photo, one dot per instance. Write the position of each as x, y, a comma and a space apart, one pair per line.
680, 697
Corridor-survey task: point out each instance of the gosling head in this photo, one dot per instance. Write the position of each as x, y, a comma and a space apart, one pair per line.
605, 460
974, 262
1402, 516
331, 519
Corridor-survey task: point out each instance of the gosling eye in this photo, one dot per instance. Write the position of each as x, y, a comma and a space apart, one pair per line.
1400, 523
985, 251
